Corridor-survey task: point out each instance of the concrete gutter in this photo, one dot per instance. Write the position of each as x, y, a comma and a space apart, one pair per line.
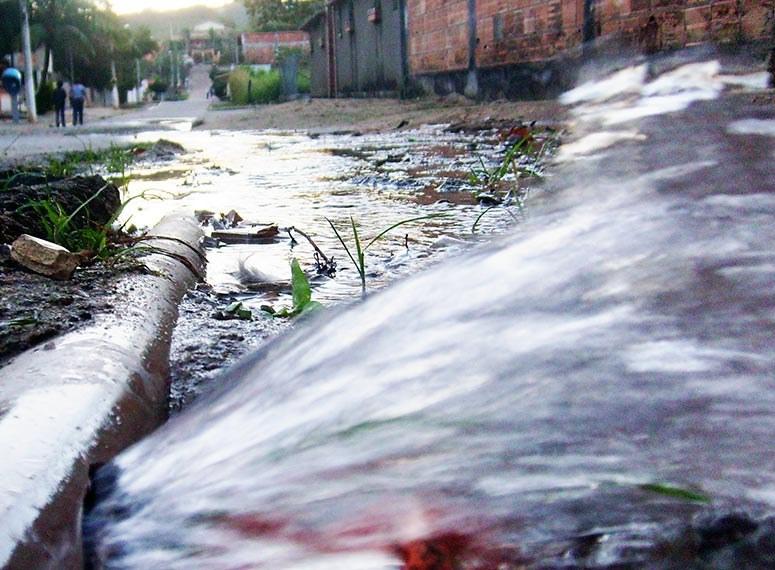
82, 398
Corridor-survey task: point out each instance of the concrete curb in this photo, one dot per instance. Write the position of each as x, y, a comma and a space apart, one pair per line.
82, 398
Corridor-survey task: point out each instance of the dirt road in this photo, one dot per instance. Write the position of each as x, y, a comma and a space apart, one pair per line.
106, 126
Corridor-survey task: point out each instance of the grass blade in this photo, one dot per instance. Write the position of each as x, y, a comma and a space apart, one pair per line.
401, 223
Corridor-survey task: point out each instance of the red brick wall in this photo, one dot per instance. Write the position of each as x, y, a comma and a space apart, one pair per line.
526, 30
521, 31
260, 47
438, 35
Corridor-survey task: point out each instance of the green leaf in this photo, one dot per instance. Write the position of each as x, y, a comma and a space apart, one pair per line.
310, 308
478, 218
676, 492
401, 223
344, 244
20, 322
300, 286
302, 296
237, 310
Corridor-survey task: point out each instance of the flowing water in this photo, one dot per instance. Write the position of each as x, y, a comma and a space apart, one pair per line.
294, 180
298, 181
575, 395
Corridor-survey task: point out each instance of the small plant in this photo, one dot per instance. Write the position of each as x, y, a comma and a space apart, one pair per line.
71, 163
20, 322
359, 258
8, 182
521, 160
61, 227
489, 179
302, 296
117, 161
114, 160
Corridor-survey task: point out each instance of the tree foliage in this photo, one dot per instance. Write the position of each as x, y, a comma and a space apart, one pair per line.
276, 15
10, 19
59, 25
84, 39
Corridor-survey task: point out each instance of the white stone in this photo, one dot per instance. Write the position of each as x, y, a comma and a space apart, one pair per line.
44, 257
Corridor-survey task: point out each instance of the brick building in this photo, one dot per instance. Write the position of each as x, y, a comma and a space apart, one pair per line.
261, 48
507, 47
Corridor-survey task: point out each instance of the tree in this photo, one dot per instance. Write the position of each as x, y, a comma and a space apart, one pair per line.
131, 46
10, 18
56, 23
275, 15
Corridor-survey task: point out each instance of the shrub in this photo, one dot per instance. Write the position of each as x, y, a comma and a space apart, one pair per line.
44, 98
303, 81
220, 80
159, 86
264, 86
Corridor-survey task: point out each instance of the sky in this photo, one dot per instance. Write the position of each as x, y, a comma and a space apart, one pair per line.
129, 6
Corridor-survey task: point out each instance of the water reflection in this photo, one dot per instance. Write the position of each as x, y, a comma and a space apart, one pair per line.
296, 181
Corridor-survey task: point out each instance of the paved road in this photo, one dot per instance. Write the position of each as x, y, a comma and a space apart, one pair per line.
103, 126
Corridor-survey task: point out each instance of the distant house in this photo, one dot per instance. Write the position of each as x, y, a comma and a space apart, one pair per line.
508, 48
204, 46
261, 48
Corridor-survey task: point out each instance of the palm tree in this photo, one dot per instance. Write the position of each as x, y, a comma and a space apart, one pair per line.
61, 25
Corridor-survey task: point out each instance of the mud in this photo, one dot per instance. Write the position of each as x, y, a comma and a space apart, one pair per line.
347, 116
18, 188
35, 309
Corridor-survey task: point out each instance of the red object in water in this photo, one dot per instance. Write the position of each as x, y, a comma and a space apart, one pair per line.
518, 133
438, 553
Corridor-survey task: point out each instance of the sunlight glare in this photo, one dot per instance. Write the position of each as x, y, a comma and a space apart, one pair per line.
132, 6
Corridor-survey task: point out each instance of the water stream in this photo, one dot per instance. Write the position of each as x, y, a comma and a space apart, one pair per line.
590, 391
294, 180
297, 181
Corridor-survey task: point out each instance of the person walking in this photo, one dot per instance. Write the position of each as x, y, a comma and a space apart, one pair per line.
77, 98
59, 99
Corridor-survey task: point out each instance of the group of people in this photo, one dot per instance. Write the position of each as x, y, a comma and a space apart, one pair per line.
77, 99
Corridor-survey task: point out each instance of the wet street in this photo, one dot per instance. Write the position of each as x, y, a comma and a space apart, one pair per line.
592, 391
299, 181
299, 184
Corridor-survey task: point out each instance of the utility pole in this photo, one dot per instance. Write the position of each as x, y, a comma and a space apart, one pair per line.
137, 85
29, 77
172, 64
114, 83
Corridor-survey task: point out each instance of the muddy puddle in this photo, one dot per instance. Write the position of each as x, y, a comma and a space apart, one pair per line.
292, 180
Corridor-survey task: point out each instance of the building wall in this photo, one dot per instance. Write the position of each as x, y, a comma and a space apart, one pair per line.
525, 31
510, 48
438, 35
367, 46
318, 47
5, 103
261, 47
